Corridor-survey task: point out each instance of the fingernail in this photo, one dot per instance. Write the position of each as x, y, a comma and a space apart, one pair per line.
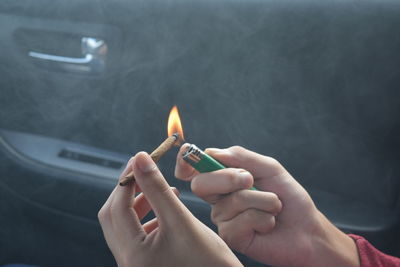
246, 178
185, 146
145, 163
130, 160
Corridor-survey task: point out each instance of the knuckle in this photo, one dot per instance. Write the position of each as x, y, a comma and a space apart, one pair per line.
273, 202
236, 150
274, 162
103, 214
130, 161
233, 175
242, 178
153, 173
277, 204
270, 223
266, 224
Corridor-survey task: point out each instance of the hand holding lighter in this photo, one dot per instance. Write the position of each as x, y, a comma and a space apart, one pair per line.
201, 161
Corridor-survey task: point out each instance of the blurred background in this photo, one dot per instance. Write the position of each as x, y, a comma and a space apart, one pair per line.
86, 84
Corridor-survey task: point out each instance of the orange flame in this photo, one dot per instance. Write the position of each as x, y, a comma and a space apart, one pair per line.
174, 123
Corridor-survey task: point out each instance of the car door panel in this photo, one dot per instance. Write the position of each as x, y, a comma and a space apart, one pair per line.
311, 83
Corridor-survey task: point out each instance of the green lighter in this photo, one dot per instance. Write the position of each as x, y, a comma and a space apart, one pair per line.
201, 161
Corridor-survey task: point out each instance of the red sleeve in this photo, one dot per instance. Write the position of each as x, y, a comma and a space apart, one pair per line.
371, 257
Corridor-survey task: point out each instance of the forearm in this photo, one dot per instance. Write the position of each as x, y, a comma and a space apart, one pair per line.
332, 247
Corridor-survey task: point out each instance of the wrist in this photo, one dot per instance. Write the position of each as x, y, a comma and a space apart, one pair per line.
332, 247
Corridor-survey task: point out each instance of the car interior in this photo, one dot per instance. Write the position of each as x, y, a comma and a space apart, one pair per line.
87, 84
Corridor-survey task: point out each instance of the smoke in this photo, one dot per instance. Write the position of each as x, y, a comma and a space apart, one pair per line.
312, 84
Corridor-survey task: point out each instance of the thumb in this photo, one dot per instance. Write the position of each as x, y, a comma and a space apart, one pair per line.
166, 205
183, 170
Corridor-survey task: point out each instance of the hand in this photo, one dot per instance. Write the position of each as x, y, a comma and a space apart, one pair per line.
174, 238
278, 225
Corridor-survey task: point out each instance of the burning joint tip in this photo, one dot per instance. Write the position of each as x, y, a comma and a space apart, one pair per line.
178, 139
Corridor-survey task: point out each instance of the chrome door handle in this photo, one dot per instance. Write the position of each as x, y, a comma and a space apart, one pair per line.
72, 60
93, 61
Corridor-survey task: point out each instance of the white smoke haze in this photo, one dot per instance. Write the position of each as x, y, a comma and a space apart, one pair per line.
312, 83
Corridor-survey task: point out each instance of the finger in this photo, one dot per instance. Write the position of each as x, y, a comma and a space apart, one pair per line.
142, 206
233, 204
123, 215
128, 169
183, 170
104, 213
242, 229
211, 186
125, 194
150, 225
160, 196
239, 157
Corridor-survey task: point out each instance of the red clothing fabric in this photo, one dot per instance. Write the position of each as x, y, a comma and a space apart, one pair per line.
371, 257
